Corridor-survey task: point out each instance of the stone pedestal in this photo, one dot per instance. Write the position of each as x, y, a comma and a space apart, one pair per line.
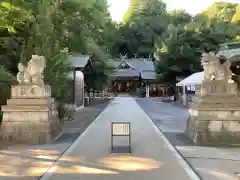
214, 117
30, 116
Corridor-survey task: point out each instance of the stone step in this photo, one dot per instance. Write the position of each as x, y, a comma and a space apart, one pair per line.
219, 98
32, 101
26, 108
208, 106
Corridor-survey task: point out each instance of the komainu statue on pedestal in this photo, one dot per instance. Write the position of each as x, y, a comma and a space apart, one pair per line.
32, 74
214, 69
214, 115
30, 116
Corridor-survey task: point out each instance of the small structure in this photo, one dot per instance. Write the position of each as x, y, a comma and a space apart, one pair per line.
30, 116
214, 116
132, 74
194, 79
227, 51
81, 70
189, 83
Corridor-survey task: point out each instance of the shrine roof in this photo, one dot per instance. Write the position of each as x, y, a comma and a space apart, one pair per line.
79, 60
139, 64
148, 75
125, 73
134, 67
231, 54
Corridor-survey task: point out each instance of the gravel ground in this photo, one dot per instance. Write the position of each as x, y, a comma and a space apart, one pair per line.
81, 120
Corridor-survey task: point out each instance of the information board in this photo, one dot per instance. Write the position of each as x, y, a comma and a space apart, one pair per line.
121, 129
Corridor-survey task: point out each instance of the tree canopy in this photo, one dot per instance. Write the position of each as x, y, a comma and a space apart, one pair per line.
142, 23
57, 28
176, 39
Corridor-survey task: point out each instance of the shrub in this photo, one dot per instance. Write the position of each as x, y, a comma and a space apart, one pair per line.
56, 75
1, 116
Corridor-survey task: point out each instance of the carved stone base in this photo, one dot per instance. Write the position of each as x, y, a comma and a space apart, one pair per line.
214, 118
29, 118
214, 127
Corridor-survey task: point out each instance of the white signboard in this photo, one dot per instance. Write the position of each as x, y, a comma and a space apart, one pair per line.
120, 129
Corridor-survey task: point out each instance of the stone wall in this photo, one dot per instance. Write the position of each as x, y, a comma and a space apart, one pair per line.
214, 126
214, 117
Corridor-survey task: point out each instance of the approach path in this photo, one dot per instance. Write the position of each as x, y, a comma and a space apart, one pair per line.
152, 158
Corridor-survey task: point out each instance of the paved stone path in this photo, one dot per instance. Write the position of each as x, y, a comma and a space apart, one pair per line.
89, 158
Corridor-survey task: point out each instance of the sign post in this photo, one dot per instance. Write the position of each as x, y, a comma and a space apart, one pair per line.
147, 91
121, 129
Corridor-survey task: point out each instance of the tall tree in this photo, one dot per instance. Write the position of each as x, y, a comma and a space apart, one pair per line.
236, 17
53, 28
143, 22
179, 49
221, 10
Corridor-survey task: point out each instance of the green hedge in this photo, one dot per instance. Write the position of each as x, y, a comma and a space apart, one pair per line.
1, 116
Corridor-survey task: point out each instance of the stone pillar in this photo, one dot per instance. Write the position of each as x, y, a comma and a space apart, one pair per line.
86, 98
30, 116
147, 91
214, 117
185, 97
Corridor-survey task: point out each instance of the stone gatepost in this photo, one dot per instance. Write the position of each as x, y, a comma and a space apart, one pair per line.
214, 117
30, 116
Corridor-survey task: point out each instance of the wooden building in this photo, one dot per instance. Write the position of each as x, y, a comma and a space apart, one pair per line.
81, 70
131, 75
231, 51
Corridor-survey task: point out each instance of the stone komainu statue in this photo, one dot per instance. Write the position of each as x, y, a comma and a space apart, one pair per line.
33, 72
215, 68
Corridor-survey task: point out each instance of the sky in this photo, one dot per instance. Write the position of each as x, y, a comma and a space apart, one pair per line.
119, 7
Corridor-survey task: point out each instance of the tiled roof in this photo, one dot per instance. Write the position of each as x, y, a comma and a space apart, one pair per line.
79, 61
148, 75
116, 62
231, 54
231, 45
125, 73
144, 66
139, 64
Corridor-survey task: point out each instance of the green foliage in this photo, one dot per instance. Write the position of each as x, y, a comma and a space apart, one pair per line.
101, 67
179, 49
62, 110
53, 28
6, 80
1, 116
179, 16
143, 23
175, 38
236, 17
221, 10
